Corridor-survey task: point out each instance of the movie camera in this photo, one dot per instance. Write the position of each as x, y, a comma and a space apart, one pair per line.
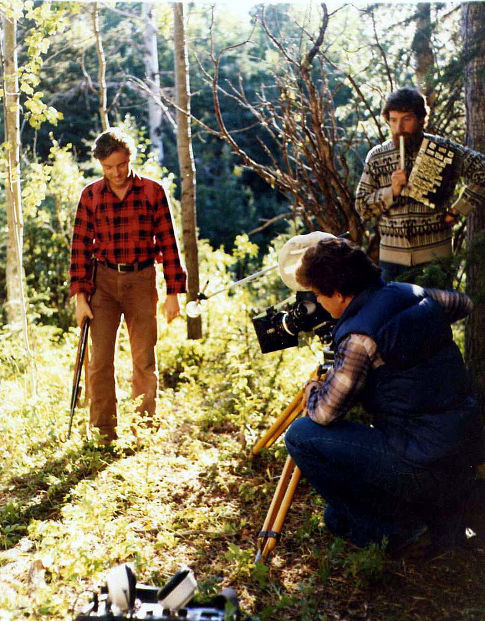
123, 599
277, 327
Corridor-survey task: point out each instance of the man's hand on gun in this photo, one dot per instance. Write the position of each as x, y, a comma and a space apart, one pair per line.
83, 309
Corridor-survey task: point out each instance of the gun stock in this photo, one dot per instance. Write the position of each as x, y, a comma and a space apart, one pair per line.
81, 351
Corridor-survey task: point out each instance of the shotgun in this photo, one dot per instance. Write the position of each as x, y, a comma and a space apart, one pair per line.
81, 351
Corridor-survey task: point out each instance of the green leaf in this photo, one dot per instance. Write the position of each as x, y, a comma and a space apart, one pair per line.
26, 88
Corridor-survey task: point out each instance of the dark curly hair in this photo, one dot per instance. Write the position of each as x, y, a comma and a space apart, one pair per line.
337, 265
406, 100
111, 140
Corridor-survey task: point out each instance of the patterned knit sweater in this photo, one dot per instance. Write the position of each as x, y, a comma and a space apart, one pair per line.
411, 231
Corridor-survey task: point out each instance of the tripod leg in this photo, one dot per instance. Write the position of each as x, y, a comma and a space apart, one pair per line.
280, 425
289, 478
284, 419
278, 509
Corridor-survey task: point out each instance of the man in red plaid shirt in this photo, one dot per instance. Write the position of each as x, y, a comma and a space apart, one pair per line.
124, 223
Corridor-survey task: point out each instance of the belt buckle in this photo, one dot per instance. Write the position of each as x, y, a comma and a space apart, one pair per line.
120, 266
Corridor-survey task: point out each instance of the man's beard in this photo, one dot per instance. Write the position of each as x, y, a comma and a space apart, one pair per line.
412, 142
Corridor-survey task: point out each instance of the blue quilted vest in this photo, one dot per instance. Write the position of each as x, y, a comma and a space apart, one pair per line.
420, 397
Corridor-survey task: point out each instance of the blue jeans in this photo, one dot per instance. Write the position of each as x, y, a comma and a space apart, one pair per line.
370, 491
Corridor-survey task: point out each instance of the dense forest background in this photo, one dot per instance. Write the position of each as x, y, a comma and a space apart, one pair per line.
367, 51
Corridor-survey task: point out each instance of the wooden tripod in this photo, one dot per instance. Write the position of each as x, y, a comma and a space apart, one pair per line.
285, 490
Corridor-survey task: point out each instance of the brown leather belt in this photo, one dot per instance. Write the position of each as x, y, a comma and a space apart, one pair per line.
129, 267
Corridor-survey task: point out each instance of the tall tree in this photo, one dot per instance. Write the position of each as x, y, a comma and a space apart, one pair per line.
473, 34
423, 55
102, 89
12, 188
152, 76
186, 164
304, 146
16, 303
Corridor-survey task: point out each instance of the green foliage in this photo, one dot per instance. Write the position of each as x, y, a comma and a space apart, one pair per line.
113, 506
439, 274
184, 491
366, 566
241, 564
46, 19
50, 193
230, 200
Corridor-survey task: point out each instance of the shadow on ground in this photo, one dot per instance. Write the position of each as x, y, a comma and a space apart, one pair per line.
40, 494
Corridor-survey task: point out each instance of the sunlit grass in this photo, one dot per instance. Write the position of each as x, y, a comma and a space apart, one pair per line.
160, 499
187, 491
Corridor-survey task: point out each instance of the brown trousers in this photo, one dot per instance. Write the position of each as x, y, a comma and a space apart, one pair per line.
134, 295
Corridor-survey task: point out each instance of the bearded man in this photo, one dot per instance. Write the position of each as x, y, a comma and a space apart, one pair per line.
413, 232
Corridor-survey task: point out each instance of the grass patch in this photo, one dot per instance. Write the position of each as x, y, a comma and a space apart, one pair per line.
188, 492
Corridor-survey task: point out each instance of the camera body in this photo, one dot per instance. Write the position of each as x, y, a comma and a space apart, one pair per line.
278, 327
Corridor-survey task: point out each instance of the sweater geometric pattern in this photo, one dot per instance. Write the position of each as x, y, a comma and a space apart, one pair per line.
414, 232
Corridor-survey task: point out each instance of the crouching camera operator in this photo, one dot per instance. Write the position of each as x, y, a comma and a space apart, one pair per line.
394, 352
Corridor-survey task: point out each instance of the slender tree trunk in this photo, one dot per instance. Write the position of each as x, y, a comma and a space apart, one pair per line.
186, 165
102, 91
16, 303
152, 71
12, 187
423, 56
473, 34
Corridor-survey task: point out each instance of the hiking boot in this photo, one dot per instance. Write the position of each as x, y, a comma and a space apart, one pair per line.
336, 523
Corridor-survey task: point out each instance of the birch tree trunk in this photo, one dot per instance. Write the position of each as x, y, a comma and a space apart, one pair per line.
152, 72
473, 24
102, 91
16, 303
12, 187
186, 165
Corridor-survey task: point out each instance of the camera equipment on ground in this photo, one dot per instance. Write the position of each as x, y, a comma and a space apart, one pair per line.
122, 598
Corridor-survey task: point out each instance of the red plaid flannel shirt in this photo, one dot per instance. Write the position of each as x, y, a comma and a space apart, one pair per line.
132, 230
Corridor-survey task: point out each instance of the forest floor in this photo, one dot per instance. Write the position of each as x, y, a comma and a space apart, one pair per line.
188, 492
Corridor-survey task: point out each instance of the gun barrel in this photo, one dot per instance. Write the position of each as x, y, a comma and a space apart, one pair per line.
81, 351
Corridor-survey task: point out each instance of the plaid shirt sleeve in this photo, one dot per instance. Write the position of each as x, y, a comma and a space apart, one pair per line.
344, 381
167, 247
473, 173
80, 271
455, 305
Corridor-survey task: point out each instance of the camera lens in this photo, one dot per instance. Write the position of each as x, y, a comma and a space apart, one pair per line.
295, 320
288, 324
